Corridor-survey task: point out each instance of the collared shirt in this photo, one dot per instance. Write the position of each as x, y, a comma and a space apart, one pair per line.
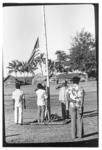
41, 96
76, 93
18, 96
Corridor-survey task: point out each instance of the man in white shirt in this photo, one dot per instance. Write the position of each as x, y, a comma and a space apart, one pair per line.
63, 99
18, 98
41, 102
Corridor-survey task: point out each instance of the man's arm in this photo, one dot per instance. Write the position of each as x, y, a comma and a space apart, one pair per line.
13, 103
71, 100
35, 89
13, 99
82, 102
58, 86
24, 102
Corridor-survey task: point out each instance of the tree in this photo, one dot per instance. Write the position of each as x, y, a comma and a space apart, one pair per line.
31, 68
62, 57
83, 51
51, 67
25, 67
14, 67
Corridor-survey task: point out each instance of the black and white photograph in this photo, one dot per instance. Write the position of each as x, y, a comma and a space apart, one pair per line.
50, 75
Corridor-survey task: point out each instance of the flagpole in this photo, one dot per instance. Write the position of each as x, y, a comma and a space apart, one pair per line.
47, 70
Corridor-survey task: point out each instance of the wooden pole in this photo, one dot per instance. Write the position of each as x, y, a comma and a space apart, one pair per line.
96, 13
4, 128
47, 70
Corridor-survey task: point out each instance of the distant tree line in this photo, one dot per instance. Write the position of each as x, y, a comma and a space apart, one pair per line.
82, 56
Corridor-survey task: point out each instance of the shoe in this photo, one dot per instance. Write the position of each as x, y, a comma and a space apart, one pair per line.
20, 123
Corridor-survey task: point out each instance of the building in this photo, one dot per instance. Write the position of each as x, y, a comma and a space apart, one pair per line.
10, 81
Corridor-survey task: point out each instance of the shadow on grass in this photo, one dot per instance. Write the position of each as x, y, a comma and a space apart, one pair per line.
12, 135
28, 123
55, 120
85, 143
90, 113
86, 112
63, 122
90, 134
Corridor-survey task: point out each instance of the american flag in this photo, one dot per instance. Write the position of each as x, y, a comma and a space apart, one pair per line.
35, 52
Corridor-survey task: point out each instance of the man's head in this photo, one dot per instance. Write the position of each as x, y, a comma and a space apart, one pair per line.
76, 80
39, 86
17, 86
64, 83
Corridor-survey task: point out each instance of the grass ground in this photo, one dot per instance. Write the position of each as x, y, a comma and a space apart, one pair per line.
50, 134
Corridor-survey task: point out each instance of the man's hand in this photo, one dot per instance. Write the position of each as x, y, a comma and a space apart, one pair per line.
73, 101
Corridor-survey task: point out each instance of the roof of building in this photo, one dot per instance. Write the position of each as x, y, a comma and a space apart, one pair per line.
18, 79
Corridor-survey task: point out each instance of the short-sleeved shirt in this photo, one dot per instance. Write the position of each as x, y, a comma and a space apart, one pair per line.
76, 93
62, 94
18, 96
41, 96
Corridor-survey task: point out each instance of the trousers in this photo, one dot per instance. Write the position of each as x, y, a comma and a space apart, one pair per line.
18, 114
63, 107
65, 113
41, 113
76, 122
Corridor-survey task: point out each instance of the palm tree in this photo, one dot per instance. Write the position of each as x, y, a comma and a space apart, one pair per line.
27, 68
24, 69
14, 67
31, 68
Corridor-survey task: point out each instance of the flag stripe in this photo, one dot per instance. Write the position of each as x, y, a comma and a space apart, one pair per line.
34, 52
35, 46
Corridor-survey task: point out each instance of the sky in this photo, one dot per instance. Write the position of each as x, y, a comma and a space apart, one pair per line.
23, 24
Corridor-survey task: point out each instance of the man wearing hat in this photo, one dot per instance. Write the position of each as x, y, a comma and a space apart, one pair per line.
76, 97
63, 99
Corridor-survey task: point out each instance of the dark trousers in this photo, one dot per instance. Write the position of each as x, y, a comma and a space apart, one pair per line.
65, 113
76, 123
